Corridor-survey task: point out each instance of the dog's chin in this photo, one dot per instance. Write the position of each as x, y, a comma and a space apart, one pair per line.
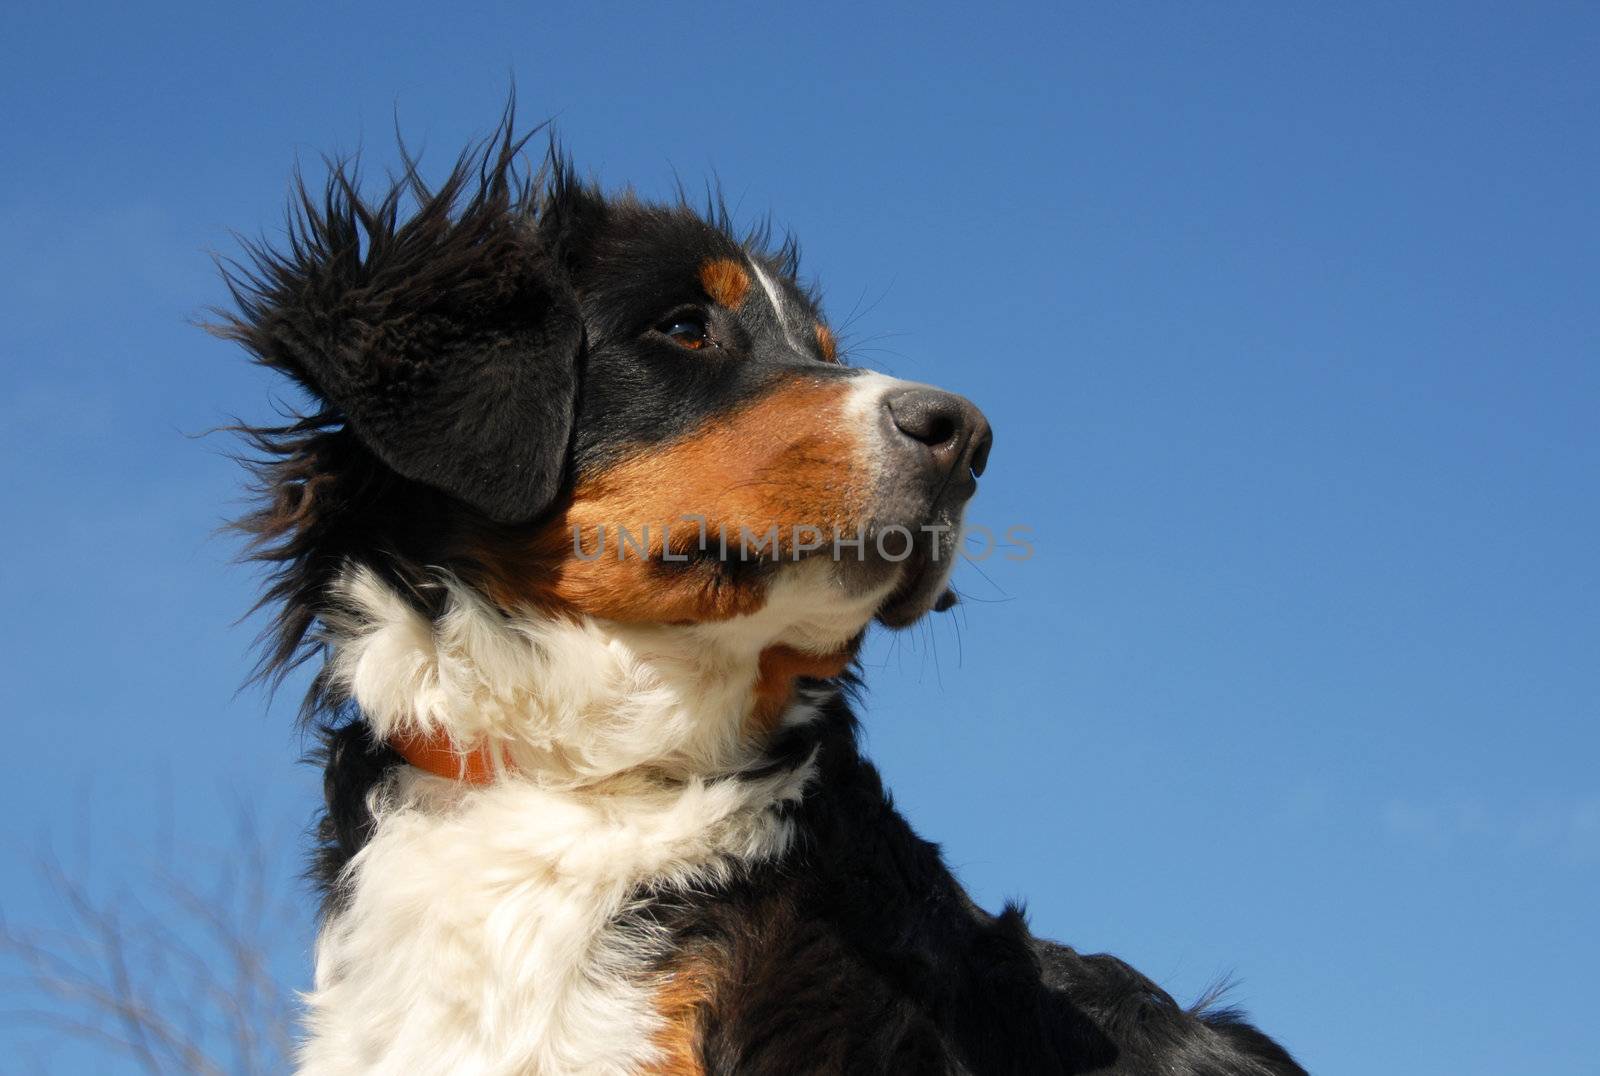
924, 589
922, 579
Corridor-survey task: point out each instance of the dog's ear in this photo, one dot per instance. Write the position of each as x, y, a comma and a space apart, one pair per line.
447, 337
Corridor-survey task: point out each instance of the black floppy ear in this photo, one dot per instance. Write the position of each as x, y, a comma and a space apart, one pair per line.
448, 340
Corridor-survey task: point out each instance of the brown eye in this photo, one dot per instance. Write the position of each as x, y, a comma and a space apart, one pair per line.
687, 330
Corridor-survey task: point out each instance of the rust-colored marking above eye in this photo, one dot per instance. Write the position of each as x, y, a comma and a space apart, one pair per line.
726, 281
826, 341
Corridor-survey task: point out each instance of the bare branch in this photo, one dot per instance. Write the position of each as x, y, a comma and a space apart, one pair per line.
174, 973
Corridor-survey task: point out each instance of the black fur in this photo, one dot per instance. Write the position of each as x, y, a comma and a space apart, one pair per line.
449, 342
860, 952
353, 764
468, 362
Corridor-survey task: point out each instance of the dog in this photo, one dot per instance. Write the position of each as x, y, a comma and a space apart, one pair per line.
583, 530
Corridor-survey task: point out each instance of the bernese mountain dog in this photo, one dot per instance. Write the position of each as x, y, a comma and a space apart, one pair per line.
583, 529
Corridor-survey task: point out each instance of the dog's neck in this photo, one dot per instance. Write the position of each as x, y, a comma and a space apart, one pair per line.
573, 702
487, 923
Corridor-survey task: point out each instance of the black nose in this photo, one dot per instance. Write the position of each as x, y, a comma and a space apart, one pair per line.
954, 432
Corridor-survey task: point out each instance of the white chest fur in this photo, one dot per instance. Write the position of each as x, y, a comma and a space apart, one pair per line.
481, 933
484, 926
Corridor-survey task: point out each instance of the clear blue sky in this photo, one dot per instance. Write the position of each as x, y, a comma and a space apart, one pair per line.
1286, 318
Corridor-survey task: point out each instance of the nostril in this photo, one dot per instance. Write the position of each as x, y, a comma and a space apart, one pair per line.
980, 452
941, 430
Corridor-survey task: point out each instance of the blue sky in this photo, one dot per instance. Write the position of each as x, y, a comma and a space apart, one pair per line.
1286, 319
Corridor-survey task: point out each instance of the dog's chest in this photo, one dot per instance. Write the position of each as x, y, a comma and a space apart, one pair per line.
487, 931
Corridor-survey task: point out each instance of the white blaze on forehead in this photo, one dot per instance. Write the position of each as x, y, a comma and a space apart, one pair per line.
779, 308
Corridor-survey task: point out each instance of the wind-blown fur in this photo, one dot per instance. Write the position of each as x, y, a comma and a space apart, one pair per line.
679, 861
448, 340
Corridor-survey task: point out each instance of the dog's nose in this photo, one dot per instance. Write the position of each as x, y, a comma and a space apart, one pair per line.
950, 432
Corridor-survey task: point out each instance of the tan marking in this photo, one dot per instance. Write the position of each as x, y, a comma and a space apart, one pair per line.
681, 1002
786, 460
780, 667
827, 342
726, 281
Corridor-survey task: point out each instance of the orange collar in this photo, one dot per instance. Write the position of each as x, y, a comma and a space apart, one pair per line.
437, 754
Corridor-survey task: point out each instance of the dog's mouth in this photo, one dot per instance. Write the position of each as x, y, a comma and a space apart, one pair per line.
924, 585
913, 599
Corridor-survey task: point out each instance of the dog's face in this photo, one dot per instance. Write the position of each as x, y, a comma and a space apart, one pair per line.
715, 423
596, 407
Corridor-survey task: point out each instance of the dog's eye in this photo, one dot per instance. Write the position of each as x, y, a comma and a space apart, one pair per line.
688, 330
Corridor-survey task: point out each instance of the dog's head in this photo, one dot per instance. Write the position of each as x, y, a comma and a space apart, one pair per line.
586, 407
